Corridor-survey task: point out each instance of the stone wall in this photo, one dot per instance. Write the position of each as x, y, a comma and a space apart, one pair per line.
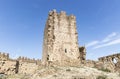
7, 67
89, 63
108, 63
25, 59
27, 68
21, 65
27, 65
4, 56
60, 39
111, 62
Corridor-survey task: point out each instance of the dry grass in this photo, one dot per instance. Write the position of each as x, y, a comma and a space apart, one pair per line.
102, 77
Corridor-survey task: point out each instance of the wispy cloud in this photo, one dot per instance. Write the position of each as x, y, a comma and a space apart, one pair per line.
117, 41
109, 40
92, 43
109, 37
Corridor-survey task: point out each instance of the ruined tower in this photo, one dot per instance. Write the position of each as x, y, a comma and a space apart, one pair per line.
61, 40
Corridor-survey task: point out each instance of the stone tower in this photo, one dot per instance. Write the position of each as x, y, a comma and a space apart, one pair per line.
61, 40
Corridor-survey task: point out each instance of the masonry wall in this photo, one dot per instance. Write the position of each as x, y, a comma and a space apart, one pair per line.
7, 67
27, 65
60, 39
22, 65
4, 56
82, 51
27, 68
111, 62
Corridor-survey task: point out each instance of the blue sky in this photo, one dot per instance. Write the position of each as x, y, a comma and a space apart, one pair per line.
22, 24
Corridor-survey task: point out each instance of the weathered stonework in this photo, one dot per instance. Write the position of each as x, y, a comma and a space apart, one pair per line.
8, 67
82, 51
22, 65
27, 65
4, 56
60, 48
111, 62
61, 40
27, 68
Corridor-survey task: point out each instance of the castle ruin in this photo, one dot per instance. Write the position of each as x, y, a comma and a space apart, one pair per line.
60, 47
20, 65
61, 40
111, 62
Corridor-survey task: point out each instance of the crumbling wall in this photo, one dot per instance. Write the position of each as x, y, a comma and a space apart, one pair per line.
89, 63
82, 51
60, 39
7, 66
4, 56
111, 62
21, 65
25, 59
27, 68
27, 65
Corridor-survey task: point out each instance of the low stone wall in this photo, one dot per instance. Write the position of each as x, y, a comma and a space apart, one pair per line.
111, 62
89, 63
21, 65
93, 64
27, 68
99, 64
8, 67
4, 56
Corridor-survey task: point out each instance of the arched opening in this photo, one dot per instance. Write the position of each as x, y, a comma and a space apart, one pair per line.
114, 60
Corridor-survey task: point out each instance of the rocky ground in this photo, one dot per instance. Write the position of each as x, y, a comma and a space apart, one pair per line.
66, 73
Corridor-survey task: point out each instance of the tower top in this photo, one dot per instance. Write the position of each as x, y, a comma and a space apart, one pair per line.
61, 13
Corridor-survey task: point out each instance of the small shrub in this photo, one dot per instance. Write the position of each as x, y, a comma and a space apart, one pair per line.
68, 70
54, 75
102, 77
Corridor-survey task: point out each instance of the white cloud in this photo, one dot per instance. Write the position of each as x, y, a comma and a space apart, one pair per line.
116, 41
92, 43
109, 37
109, 40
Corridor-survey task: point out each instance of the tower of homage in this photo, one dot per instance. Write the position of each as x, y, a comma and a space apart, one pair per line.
60, 44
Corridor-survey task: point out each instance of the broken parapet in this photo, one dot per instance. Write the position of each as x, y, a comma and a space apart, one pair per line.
110, 57
27, 65
4, 56
25, 59
7, 65
82, 51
